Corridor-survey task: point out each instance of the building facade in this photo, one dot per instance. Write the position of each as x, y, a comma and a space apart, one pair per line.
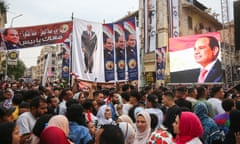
193, 18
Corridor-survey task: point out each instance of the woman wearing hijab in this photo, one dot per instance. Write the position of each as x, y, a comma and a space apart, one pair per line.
143, 125
188, 128
233, 134
125, 118
56, 132
211, 133
104, 115
128, 132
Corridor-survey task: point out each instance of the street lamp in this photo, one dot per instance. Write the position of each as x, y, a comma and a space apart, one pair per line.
15, 18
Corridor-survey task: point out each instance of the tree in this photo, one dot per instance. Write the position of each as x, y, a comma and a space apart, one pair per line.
15, 70
3, 7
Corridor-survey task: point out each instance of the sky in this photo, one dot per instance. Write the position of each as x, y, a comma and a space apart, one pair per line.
50, 11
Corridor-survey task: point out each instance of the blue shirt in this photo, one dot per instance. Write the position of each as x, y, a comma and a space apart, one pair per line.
79, 134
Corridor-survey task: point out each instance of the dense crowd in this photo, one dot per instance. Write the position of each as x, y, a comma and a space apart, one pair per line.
57, 114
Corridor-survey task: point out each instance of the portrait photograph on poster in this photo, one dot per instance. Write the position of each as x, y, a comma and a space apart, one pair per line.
196, 59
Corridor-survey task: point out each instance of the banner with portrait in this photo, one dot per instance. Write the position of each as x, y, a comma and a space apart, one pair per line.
109, 64
119, 39
32, 36
131, 49
160, 63
191, 55
87, 50
66, 54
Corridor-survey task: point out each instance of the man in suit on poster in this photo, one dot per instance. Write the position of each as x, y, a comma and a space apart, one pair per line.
206, 50
89, 45
131, 45
119, 43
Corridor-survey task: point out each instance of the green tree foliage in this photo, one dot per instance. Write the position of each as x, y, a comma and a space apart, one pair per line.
3, 7
15, 70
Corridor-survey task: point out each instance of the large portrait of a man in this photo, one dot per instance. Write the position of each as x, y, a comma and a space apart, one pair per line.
196, 59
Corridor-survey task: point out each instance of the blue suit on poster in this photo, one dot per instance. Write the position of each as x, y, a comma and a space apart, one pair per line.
109, 65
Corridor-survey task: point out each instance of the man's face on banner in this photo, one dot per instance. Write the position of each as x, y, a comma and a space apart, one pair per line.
203, 53
109, 44
120, 42
131, 40
12, 36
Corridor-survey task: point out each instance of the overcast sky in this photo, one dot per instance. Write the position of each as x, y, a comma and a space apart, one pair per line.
49, 11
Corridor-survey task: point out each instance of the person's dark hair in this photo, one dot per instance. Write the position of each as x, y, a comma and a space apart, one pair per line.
75, 113
135, 93
49, 99
182, 90
88, 104
6, 130
125, 87
64, 93
36, 101
24, 104
154, 100
125, 95
238, 105
200, 92
96, 93
30, 94
227, 104
213, 42
41, 124
111, 134
147, 88
234, 116
169, 94
17, 99
71, 102
214, 90
154, 121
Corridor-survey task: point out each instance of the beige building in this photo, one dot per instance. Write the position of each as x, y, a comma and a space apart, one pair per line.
194, 18
48, 63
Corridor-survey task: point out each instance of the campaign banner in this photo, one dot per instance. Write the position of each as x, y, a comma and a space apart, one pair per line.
66, 59
109, 64
153, 25
174, 16
190, 56
131, 49
87, 50
119, 39
160, 63
32, 36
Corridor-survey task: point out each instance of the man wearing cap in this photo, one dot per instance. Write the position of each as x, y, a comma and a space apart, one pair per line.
6, 113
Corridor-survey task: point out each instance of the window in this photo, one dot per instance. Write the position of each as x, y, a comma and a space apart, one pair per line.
190, 22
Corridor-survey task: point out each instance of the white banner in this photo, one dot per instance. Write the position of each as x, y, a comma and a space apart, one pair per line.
87, 50
175, 18
153, 25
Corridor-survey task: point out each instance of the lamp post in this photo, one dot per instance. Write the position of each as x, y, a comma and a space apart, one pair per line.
14, 19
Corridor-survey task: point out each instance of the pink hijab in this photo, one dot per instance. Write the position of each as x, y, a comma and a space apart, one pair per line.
61, 122
190, 127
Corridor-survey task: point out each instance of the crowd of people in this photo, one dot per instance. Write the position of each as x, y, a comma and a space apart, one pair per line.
54, 114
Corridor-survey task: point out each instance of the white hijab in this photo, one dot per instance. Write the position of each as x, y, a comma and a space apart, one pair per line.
128, 132
142, 137
101, 116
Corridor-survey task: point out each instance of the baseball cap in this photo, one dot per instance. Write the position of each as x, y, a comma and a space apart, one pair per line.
5, 110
